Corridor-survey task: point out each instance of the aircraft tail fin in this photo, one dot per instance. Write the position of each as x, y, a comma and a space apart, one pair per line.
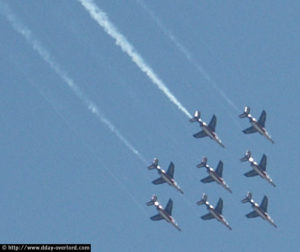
203, 162
152, 201
246, 157
154, 164
247, 198
196, 117
203, 200
246, 112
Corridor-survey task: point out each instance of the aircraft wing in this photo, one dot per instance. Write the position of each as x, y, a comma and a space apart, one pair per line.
264, 204
170, 170
212, 123
251, 173
200, 134
252, 214
156, 217
219, 169
169, 207
207, 179
158, 181
263, 163
250, 130
208, 216
219, 206
262, 118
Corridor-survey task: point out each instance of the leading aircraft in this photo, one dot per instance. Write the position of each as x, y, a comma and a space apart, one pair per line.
207, 130
213, 212
163, 213
257, 126
214, 175
165, 177
258, 169
259, 210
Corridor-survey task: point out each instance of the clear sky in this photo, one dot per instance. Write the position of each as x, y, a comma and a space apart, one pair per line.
88, 99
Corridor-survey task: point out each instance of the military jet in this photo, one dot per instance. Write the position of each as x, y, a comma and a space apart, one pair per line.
164, 213
258, 169
213, 212
165, 177
259, 210
257, 126
214, 175
207, 130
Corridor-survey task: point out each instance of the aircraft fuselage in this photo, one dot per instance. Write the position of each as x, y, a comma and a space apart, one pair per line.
260, 172
166, 216
259, 128
217, 178
214, 213
166, 177
217, 216
169, 180
208, 131
211, 134
262, 213
163, 212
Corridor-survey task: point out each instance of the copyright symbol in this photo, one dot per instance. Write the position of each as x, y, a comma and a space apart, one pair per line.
4, 247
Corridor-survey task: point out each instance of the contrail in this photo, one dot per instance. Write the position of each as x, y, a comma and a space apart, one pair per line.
187, 54
101, 18
45, 55
117, 178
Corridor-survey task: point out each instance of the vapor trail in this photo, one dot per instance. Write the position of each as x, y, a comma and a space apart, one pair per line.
45, 55
187, 54
101, 18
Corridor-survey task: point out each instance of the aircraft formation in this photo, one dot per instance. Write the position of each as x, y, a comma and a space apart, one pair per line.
216, 175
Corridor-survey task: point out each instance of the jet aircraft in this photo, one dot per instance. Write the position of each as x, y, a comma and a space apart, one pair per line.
213, 212
214, 175
259, 210
207, 130
257, 126
165, 177
258, 169
163, 213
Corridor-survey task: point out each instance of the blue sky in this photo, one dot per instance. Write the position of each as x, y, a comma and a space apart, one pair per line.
80, 121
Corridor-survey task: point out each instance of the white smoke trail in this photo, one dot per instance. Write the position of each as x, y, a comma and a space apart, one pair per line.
45, 55
92, 151
187, 54
101, 18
